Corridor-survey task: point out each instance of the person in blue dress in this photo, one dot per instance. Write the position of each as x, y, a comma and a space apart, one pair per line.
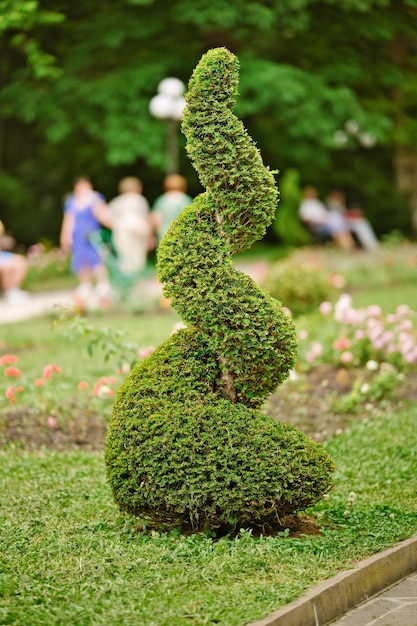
85, 211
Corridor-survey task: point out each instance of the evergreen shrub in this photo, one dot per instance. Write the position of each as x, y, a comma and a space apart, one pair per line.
187, 443
287, 224
299, 287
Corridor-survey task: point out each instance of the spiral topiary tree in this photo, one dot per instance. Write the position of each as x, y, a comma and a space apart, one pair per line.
187, 443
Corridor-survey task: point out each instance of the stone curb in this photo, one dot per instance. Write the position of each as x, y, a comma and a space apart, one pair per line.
333, 598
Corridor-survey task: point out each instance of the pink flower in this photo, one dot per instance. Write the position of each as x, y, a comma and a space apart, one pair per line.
325, 308
102, 390
49, 369
12, 371
83, 384
388, 336
8, 359
406, 325
374, 310
378, 343
346, 357
144, 352
303, 334
410, 357
39, 382
19, 389
338, 281
403, 309
342, 343
315, 351
9, 393
51, 422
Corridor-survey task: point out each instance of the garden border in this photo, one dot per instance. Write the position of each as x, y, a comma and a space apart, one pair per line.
332, 598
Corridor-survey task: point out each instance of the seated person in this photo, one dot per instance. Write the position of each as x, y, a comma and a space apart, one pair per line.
13, 268
319, 220
355, 220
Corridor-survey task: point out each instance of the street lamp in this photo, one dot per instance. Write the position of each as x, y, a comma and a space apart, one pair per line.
168, 105
352, 130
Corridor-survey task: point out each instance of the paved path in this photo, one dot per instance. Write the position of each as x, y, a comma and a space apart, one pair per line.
36, 304
383, 587
46, 302
396, 606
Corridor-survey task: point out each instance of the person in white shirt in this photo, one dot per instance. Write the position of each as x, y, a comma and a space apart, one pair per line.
131, 228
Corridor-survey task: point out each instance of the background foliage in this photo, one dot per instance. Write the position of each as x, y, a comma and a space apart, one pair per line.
76, 80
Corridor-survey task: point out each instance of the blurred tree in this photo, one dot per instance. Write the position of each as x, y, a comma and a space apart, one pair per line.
327, 87
287, 224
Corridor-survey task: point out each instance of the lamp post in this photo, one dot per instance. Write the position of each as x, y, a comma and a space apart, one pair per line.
168, 105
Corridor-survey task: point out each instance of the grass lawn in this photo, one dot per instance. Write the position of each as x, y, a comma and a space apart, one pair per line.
68, 557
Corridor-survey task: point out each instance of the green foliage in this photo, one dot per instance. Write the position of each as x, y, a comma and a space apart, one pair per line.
186, 444
300, 287
287, 223
46, 266
77, 79
21, 18
379, 387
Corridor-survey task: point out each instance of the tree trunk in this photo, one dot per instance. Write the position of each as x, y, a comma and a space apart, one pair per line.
406, 179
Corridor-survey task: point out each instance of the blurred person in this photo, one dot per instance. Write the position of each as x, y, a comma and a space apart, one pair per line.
131, 227
13, 269
85, 212
169, 205
320, 220
355, 220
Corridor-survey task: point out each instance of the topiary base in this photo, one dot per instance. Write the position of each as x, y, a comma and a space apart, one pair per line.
198, 460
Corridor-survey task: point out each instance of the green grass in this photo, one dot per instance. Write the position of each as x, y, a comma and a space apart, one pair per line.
43, 340
68, 557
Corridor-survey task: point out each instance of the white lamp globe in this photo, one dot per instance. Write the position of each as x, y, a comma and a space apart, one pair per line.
177, 109
367, 140
161, 106
173, 87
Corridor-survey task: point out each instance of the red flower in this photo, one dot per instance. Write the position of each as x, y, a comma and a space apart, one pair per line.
9, 393
8, 359
83, 384
342, 343
12, 371
49, 369
39, 382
